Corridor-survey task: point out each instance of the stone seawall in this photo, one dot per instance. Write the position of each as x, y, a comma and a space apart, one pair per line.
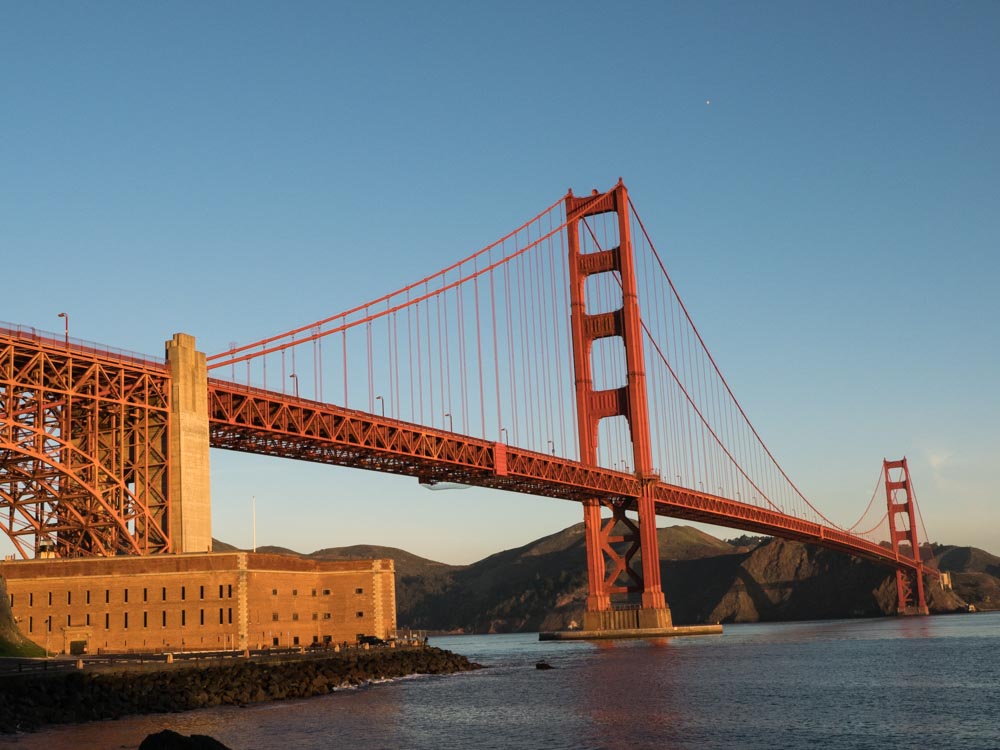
31, 702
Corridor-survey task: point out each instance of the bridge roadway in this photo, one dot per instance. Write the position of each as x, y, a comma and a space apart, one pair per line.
259, 421
254, 420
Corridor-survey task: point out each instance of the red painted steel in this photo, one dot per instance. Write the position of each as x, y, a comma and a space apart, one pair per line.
83, 449
629, 401
257, 421
900, 502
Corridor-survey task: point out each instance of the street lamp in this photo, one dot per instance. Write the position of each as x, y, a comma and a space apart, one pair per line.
65, 317
295, 379
552, 447
381, 402
451, 427
504, 436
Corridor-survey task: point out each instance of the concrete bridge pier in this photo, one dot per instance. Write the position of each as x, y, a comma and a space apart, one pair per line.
190, 516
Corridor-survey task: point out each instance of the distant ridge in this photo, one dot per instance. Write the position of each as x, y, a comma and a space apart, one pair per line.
542, 584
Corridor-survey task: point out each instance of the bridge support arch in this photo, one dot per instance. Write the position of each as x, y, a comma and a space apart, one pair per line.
614, 543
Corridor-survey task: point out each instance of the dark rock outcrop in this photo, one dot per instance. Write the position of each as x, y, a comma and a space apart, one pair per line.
171, 740
28, 702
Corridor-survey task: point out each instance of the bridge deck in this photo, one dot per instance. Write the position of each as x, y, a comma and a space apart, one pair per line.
259, 421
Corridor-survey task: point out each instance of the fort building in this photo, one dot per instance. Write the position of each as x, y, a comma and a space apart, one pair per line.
198, 602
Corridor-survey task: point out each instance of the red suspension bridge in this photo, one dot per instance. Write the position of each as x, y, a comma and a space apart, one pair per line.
529, 366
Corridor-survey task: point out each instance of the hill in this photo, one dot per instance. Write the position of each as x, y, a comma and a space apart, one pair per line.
542, 585
975, 574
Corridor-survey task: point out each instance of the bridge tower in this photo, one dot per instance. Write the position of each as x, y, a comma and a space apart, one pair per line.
901, 502
190, 485
613, 543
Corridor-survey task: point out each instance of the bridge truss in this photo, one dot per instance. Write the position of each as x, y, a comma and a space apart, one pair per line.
83, 449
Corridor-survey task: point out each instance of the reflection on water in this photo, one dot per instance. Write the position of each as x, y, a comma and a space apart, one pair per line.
897, 682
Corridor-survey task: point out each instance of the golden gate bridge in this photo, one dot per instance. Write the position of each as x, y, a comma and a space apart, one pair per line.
528, 366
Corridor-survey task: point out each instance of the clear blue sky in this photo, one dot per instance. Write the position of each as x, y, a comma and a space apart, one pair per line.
831, 218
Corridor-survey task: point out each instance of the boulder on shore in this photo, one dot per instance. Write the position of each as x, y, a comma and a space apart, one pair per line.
171, 740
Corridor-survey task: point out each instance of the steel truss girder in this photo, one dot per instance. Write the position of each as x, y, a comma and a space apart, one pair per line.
258, 421
83, 450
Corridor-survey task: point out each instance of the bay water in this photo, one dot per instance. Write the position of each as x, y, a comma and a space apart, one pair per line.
914, 682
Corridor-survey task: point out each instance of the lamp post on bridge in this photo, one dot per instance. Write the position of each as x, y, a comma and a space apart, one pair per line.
504, 436
65, 317
451, 428
295, 379
381, 402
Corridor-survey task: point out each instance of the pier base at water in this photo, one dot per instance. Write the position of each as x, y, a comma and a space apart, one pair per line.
603, 635
629, 622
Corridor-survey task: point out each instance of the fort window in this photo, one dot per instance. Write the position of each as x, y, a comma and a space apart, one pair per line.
359, 614
326, 615
88, 618
163, 593
315, 615
145, 595
201, 592
202, 616
107, 621
274, 592
183, 593
359, 591
107, 596
145, 619
48, 623
69, 597
274, 616
164, 618
126, 595
230, 615
230, 591
31, 624
69, 621
326, 592
183, 617
295, 640
88, 596
50, 598
314, 592
31, 600
126, 620
295, 616
295, 592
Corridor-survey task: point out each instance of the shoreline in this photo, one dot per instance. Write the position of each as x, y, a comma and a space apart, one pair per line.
35, 701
